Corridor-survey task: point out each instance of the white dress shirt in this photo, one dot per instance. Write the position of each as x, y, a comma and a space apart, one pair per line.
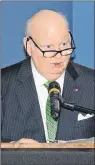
43, 92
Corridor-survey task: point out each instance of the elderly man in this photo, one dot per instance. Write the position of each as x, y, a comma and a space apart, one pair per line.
49, 45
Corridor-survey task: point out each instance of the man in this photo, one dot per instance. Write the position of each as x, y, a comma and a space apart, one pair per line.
49, 45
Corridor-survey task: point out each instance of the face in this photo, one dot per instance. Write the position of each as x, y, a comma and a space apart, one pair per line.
53, 39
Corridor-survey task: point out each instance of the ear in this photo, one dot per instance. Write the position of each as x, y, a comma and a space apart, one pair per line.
27, 45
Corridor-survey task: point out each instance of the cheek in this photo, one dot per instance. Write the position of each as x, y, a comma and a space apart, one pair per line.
66, 60
39, 61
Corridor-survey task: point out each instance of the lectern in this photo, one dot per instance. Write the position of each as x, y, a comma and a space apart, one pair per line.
48, 154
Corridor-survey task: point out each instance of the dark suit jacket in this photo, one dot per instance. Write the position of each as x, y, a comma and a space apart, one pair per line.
21, 116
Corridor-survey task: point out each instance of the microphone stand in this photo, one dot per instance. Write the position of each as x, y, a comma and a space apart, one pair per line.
74, 107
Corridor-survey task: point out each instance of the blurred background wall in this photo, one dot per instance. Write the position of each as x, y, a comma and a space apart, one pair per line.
83, 32
80, 16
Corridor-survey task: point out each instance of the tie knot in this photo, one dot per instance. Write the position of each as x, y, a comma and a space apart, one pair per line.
46, 84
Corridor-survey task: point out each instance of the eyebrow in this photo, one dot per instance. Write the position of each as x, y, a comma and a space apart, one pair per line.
42, 45
46, 45
64, 41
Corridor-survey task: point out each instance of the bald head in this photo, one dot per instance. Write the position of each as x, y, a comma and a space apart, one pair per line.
46, 22
48, 30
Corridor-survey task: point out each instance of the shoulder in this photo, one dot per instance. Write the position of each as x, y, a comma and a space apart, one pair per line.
84, 72
12, 71
85, 83
9, 74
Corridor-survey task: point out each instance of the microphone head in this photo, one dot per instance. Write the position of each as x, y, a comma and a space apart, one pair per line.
54, 87
54, 92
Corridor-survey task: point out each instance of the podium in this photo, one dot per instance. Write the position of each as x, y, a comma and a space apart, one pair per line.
48, 154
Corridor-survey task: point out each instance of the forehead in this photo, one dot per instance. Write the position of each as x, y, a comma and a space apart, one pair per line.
50, 27
51, 35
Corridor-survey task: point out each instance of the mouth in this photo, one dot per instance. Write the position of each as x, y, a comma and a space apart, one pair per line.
58, 65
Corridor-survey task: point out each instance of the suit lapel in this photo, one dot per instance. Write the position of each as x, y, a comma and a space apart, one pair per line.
71, 88
72, 92
27, 96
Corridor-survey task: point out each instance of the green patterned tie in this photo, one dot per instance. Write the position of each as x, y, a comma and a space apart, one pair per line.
50, 122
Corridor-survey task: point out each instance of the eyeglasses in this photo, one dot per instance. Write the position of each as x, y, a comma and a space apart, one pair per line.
52, 53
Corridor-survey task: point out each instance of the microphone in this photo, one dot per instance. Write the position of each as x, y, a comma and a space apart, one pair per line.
54, 92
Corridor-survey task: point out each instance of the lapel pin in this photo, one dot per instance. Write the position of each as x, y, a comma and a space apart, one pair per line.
76, 89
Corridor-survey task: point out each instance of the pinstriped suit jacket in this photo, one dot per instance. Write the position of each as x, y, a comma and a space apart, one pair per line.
21, 116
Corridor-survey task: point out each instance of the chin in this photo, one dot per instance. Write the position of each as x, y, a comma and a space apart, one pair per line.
58, 71
54, 76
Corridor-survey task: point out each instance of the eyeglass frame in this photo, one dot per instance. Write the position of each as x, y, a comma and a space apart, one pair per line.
57, 51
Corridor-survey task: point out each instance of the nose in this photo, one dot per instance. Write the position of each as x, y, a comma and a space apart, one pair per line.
58, 55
